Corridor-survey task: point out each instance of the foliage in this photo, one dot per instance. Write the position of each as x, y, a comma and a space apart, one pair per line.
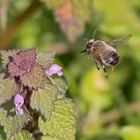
35, 94
62, 121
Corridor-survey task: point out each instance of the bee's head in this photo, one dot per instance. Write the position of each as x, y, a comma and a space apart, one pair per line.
88, 45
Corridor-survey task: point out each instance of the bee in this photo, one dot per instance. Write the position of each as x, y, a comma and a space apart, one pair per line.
104, 52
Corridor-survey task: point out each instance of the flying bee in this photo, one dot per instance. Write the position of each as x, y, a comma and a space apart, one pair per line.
104, 52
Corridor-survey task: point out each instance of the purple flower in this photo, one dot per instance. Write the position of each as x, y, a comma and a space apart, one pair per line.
54, 69
18, 101
19, 110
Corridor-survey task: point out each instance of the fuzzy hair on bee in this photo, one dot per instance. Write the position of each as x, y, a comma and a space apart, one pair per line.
104, 52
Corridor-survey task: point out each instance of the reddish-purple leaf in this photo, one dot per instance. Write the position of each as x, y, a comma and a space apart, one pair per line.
22, 62
70, 24
29, 54
14, 70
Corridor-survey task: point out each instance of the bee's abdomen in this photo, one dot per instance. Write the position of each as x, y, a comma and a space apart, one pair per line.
111, 59
115, 59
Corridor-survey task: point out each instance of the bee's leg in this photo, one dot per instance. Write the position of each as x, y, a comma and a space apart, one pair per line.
97, 66
113, 67
105, 70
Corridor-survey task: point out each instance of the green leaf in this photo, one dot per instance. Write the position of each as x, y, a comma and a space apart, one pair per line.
8, 88
45, 58
2, 134
62, 121
5, 55
22, 135
61, 85
13, 124
130, 132
34, 78
3, 115
48, 138
43, 100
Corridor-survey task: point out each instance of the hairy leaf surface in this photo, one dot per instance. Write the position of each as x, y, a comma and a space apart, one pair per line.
62, 121
43, 100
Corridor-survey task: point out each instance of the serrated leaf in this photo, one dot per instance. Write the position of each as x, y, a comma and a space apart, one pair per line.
8, 88
45, 58
62, 121
62, 86
13, 124
43, 100
29, 54
5, 55
34, 78
22, 62
3, 115
22, 135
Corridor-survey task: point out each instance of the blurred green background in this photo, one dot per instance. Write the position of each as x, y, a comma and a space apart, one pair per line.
107, 109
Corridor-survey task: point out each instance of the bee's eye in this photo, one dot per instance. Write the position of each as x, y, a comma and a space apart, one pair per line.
89, 45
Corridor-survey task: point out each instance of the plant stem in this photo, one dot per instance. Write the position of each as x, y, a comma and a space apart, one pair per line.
12, 28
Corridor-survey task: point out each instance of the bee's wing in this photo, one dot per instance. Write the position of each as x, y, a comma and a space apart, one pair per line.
119, 40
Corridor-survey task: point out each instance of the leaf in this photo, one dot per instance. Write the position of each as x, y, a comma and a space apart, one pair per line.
61, 85
8, 88
62, 121
34, 78
6, 55
2, 134
22, 62
22, 135
29, 54
72, 16
48, 138
13, 125
64, 16
45, 59
43, 100
3, 115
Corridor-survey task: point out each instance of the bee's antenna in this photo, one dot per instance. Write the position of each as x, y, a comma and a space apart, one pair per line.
94, 33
